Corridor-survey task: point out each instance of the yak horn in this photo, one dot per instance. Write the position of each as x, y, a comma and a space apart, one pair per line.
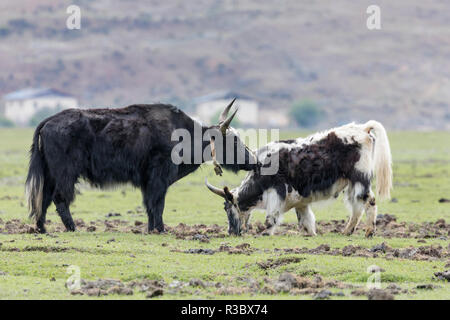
224, 113
216, 190
224, 126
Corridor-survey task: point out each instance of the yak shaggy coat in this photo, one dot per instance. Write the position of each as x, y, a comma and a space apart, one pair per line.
112, 146
316, 168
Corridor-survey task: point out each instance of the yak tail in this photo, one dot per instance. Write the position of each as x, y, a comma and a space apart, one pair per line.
34, 186
382, 159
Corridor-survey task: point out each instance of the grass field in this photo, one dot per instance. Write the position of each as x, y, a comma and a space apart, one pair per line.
110, 242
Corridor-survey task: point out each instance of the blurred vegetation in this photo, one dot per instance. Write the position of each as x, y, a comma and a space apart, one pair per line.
306, 113
4, 32
6, 123
20, 25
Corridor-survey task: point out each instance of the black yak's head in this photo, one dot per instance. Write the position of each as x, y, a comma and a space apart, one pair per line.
229, 150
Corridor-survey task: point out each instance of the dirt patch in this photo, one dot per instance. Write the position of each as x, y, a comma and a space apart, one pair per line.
382, 247
150, 288
287, 283
45, 249
424, 253
104, 287
201, 237
275, 263
15, 226
387, 226
379, 294
113, 214
199, 232
200, 251
427, 286
232, 291
444, 275
387, 293
326, 294
54, 249
243, 248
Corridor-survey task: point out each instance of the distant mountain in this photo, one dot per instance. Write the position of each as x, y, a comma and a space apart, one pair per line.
278, 52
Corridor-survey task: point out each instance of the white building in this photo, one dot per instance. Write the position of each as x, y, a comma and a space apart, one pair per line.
20, 106
209, 106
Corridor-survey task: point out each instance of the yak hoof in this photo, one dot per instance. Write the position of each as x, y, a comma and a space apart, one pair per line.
70, 228
156, 231
267, 232
369, 233
349, 232
40, 229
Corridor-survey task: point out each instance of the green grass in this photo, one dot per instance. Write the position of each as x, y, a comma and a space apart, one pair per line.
421, 178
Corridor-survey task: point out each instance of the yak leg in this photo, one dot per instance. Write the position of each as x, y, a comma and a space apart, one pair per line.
46, 201
148, 203
158, 213
371, 215
168, 175
246, 225
274, 213
306, 219
155, 194
357, 211
63, 197
155, 208
357, 204
62, 207
272, 220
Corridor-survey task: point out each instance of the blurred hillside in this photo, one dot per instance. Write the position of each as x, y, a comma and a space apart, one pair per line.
277, 52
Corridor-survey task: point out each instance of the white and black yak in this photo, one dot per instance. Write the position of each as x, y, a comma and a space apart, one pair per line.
312, 169
114, 146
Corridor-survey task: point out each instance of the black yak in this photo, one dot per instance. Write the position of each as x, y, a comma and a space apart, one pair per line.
113, 146
315, 168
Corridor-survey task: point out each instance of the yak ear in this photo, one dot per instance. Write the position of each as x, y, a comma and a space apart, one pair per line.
228, 194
